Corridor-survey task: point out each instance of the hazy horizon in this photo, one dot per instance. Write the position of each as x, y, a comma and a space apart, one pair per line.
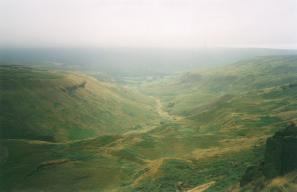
149, 23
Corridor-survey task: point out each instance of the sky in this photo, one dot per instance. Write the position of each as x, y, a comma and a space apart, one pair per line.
149, 23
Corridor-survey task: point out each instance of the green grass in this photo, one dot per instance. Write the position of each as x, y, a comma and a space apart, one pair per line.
88, 166
224, 170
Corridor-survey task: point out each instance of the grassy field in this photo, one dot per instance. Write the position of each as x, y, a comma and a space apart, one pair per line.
198, 130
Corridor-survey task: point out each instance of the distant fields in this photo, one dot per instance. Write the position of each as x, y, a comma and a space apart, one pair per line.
66, 131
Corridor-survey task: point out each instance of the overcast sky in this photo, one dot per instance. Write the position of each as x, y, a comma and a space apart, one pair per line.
160, 23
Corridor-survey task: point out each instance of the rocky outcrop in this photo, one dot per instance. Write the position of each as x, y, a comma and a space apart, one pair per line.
281, 153
72, 89
280, 158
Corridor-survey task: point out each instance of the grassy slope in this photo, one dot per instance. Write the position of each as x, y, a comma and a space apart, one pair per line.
64, 167
58, 106
218, 129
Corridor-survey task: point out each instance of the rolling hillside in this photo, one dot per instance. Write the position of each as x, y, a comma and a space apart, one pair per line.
195, 131
246, 89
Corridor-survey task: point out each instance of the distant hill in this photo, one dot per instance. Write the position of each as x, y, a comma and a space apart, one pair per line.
54, 105
133, 61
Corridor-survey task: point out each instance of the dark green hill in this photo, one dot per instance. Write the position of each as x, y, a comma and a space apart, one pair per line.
59, 106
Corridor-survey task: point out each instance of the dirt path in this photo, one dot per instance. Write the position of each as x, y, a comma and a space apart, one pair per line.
165, 114
161, 111
201, 188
